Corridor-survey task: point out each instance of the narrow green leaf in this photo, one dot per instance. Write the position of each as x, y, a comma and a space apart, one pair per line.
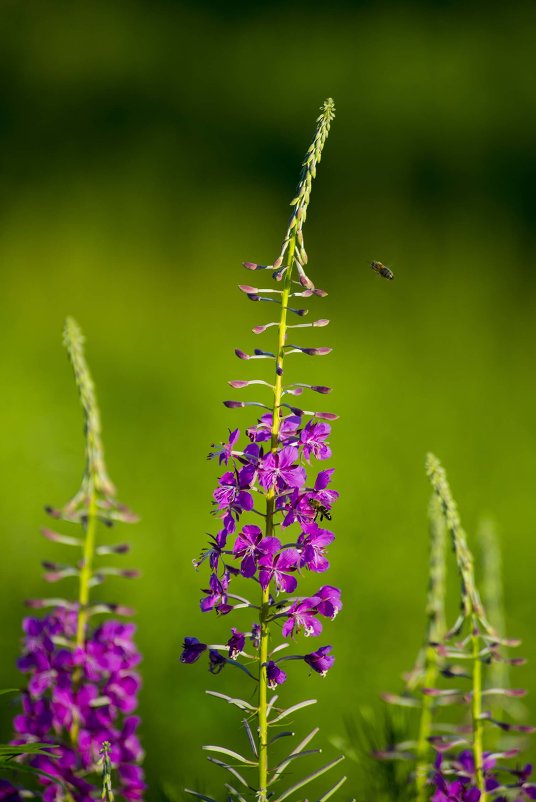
22, 769
292, 709
280, 768
333, 790
280, 735
309, 778
224, 751
232, 700
199, 796
233, 771
234, 792
251, 739
13, 750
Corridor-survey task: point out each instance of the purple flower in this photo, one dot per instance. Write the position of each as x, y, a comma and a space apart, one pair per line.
250, 545
192, 650
302, 615
214, 551
231, 494
330, 601
280, 471
216, 661
275, 675
226, 451
8, 792
320, 660
456, 791
312, 438
217, 594
288, 427
236, 643
279, 567
312, 545
301, 506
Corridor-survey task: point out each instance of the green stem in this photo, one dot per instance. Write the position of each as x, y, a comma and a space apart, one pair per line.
476, 713
270, 509
86, 572
425, 727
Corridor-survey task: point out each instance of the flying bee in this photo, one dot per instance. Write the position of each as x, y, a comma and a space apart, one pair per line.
383, 271
320, 510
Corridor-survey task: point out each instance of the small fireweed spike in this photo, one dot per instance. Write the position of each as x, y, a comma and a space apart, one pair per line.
464, 768
270, 531
82, 677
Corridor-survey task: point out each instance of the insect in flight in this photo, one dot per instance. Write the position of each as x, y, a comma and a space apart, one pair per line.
382, 270
320, 510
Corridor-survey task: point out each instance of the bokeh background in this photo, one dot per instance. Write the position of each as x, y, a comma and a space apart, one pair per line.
149, 148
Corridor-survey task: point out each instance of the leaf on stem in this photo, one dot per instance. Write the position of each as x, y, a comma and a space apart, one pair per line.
309, 778
229, 752
240, 703
292, 709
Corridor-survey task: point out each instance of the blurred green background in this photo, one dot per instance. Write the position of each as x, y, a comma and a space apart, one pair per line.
149, 148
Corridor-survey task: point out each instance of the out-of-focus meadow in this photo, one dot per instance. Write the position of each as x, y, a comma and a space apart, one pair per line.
148, 149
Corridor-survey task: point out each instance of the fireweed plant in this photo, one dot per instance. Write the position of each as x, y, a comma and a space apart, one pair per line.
82, 678
464, 769
266, 483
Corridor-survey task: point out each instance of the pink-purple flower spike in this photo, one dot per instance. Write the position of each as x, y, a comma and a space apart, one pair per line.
269, 505
82, 678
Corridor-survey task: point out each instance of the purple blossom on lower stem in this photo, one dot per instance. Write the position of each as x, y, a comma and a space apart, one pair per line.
312, 545
320, 660
94, 686
236, 643
275, 675
216, 597
330, 601
216, 661
192, 650
302, 615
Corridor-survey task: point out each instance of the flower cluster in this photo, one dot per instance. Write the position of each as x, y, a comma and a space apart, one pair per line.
82, 682
270, 504
244, 550
92, 687
459, 783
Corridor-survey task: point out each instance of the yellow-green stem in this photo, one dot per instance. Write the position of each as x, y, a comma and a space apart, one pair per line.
476, 713
86, 573
270, 508
425, 726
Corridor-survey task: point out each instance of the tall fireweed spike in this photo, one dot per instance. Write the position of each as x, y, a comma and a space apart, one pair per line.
82, 679
270, 466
